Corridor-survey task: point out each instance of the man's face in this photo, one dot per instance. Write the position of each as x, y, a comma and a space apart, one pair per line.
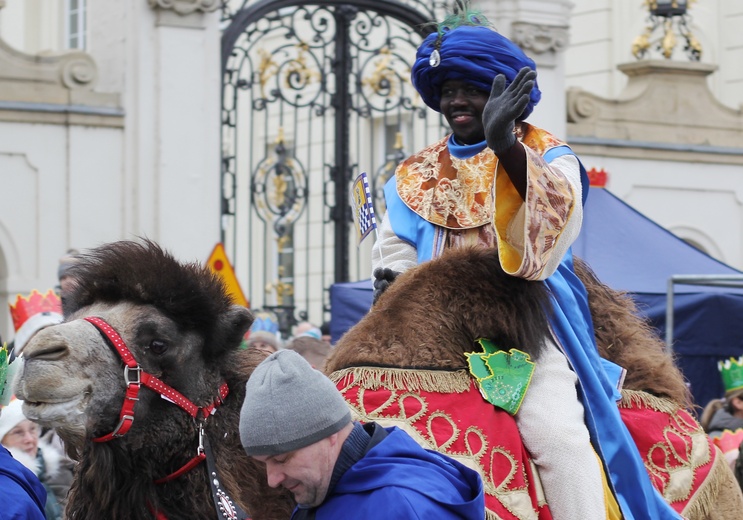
305, 472
462, 105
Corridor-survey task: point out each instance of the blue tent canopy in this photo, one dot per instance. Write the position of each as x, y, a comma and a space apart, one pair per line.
630, 252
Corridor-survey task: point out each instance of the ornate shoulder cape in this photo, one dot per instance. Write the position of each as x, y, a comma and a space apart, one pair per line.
457, 193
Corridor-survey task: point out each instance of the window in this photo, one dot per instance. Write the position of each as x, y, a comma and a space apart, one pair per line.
75, 24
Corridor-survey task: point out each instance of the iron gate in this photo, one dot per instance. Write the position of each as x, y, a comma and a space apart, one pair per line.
314, 92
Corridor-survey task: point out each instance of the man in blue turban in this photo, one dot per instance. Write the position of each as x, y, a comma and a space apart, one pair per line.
498, 181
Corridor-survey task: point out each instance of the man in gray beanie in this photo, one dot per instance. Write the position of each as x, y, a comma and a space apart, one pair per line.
295, 421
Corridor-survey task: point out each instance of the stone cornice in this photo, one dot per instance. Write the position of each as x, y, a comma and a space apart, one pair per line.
185, 7
663, 102
53, 81
540, 39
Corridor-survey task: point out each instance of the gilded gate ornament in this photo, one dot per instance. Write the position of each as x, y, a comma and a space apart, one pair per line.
302, 66
668, 17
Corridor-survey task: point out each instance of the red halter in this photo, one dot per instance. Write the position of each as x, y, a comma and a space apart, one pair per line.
134, 377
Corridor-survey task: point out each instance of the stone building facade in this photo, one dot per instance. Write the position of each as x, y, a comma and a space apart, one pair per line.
120, 138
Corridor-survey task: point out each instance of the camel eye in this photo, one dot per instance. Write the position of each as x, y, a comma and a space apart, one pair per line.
158, 347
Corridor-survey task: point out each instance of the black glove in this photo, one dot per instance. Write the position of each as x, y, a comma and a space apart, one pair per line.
383, 277
504, 106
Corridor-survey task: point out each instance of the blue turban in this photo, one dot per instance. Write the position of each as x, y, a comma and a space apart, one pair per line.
472, 53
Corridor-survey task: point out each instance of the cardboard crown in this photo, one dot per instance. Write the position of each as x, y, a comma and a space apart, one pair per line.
731, 371
33, 313
35, 303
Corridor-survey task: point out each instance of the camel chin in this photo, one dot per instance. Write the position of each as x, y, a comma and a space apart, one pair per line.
66, 415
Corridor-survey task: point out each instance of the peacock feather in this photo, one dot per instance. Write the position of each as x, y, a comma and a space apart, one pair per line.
462, 15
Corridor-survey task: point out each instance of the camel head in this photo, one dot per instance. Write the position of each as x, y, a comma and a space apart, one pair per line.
176, 319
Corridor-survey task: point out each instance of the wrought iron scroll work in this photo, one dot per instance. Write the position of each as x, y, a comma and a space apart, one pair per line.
287, 64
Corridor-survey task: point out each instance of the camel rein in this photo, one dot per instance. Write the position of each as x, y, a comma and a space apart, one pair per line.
135, 377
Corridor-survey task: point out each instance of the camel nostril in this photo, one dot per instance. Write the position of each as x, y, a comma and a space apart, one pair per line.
51, 352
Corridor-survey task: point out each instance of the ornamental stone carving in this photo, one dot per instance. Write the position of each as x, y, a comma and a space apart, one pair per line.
62, 83
540, 38
53, 74
185, 7
78, 71
667, 102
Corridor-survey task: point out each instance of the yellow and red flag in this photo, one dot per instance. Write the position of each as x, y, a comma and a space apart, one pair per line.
220, 264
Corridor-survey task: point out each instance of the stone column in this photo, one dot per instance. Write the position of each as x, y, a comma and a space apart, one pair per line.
164, 56
187, 97
541, 29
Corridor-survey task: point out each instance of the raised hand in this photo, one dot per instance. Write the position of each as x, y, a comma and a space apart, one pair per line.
504, 106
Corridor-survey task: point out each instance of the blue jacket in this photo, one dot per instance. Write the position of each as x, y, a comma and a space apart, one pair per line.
399, 479
23, 496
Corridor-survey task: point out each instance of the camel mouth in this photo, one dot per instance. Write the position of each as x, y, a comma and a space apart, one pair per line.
55, 411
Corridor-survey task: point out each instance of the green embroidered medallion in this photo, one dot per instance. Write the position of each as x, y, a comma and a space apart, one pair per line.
503, 377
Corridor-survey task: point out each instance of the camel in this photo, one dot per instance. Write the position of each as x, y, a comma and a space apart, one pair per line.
404, 364
182, 329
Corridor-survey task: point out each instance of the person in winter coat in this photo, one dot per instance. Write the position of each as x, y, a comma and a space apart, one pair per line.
726, 414
295, 421
23, 494
723, 414
21, 438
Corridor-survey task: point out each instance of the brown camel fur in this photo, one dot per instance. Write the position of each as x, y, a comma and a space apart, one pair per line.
425, 320
181, 327
623, 337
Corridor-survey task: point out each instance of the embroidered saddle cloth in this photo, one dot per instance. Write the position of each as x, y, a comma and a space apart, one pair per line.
444, 411
683, 463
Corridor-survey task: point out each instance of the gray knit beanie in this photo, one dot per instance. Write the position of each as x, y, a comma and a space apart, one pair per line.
289, 405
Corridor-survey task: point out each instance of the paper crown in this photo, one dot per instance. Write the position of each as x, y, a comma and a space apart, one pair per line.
35, 303
266, 321
729, 440
732, 373
32, 314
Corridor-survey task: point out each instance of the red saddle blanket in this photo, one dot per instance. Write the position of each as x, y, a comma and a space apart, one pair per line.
444, 411
683, 463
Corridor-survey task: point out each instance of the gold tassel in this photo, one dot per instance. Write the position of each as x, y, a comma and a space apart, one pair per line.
374, 378
632, 398
706, 499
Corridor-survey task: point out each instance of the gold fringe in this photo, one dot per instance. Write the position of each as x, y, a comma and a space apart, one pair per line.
413, 380
706, 499
630, 398
490, 515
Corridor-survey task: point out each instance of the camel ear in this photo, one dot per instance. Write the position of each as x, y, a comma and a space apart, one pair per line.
232, 326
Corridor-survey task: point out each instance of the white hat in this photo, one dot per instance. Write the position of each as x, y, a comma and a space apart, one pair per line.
33, 325
11, 416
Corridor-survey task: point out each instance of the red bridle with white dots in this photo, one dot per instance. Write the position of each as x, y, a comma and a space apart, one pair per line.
135, 377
